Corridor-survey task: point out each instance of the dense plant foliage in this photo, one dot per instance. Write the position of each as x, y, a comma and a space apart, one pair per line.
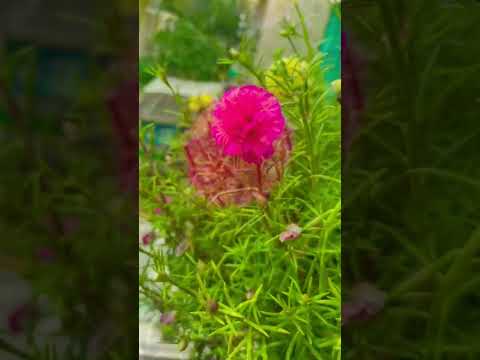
194, 36
188, 52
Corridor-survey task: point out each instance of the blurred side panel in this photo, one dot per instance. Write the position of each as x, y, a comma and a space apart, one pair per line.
68, 184
411, 195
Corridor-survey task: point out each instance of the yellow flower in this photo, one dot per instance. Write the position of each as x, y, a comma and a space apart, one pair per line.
198, 103
206, 100
285, 75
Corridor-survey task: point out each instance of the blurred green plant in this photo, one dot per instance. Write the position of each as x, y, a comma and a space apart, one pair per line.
189, 52
62, 232
145, 74
410, 188
201, 35
214, 17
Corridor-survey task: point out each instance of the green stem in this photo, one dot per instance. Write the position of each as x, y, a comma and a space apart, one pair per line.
306, 35
168, 279
252, 70
308, 135
292, 44
259, 178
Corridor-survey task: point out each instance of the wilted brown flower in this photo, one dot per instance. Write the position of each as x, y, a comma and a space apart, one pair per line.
168, 318
293, 232
366, 301
182, 248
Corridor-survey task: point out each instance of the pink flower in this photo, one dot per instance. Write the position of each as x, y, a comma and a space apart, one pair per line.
148, 238
247, 121
226, 180
293, 232
168, 318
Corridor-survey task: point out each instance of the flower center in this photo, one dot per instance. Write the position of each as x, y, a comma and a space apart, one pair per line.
250, 131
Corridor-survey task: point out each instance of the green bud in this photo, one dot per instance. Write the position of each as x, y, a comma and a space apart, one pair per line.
234, 53
183, 344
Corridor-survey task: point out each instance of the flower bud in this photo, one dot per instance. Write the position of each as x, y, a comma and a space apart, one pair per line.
183, 344
292, 232
168, 318
212, 306
337, 86
148, 238
234, 53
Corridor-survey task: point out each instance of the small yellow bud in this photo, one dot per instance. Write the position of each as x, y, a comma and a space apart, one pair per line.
198, 103
337, 86
291, 70
234, 53
206, 100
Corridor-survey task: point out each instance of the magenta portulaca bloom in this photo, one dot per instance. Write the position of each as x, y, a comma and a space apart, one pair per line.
247, 122
238, 149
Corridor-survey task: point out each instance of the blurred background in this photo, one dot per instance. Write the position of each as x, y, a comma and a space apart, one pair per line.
63, 187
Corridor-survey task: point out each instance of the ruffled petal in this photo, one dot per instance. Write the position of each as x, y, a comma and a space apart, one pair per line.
248, 118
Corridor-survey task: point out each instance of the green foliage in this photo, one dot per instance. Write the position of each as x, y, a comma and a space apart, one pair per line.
188, 52
201, 35
214, 17
145, 74
275, 300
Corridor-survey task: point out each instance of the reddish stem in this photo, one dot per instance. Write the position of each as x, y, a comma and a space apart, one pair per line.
259, 178
189, 156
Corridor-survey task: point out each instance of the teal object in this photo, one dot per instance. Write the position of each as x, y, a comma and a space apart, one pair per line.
59, 71
232, 73
331, 46
162, 134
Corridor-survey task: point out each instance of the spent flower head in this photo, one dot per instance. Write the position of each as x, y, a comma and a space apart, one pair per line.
365, 302
292, 232
168, 318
